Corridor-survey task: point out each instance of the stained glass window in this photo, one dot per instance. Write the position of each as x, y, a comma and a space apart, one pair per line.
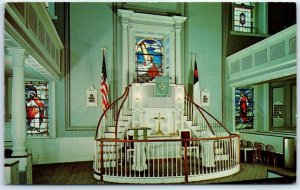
149, 59
244, 17
244, 112
37, 108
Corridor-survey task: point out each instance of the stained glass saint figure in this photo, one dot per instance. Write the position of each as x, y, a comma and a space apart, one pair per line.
148, 59
34, 110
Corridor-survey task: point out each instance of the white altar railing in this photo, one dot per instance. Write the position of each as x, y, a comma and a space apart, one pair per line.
210, 152
202, 159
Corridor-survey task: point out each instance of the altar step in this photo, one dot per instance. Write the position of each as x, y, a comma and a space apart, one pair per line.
113, 128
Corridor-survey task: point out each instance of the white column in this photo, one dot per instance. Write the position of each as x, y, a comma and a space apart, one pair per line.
18, 126
131, 54
125, 64
177, 54
125, 14
178, 25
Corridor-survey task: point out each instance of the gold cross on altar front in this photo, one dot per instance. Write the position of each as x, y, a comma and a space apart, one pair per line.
159, 132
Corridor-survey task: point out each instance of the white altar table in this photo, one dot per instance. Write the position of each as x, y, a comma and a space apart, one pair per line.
163, 149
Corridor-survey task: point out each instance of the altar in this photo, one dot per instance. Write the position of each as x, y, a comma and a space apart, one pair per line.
158, 108
161, 112
163, 149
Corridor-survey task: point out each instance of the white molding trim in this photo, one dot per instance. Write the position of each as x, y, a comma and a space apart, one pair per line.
167, 28
34, 64
52, 112
271, 58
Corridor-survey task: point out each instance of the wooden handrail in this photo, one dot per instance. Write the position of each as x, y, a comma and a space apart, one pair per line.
191, 100
118, 114
198, 106
111, 105
168, 140
215, 120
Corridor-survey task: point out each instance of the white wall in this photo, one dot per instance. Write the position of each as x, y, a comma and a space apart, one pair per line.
59, 150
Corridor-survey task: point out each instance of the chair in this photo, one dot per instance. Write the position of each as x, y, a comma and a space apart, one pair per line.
243, 144
249, 144
244, 148
271, 154
247, 148
191, 147
257, 153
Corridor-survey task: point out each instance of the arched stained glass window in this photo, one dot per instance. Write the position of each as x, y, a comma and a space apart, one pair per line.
244, 17
149, 59
37, 107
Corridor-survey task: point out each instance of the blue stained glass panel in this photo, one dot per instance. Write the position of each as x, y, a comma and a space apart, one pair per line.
149, 58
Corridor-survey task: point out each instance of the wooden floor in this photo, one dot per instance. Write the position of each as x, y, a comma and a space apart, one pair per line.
82, 173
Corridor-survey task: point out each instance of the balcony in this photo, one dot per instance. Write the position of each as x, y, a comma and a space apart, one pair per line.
271, 58
30, 26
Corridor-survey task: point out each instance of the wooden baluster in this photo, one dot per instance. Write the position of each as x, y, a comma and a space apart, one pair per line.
153, 156
148, 156
185, 162
101, 161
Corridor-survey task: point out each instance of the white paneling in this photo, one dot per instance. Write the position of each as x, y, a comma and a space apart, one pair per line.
59, 150
271, 58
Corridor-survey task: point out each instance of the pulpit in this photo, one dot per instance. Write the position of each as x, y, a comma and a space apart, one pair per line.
139, 155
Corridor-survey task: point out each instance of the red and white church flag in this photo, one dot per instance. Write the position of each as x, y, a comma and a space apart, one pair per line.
196, 88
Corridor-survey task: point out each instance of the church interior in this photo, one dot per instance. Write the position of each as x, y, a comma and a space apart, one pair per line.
150, 92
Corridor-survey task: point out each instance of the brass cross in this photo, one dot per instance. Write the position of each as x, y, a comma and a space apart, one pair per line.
159, 132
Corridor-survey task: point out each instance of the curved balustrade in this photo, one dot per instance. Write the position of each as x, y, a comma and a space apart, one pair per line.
203, 121
172, 162
110, 116
209, 152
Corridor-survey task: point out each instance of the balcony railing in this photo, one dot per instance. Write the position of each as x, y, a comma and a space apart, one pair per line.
273, 57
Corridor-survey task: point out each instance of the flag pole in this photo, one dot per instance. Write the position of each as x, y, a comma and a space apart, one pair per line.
103, 50
189, 85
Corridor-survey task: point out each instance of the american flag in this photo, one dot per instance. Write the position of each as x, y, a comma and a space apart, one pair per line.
104, 86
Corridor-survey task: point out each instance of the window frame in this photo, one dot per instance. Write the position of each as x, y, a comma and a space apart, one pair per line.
253, 18
161, 70
260, 21
51, 110
287, 107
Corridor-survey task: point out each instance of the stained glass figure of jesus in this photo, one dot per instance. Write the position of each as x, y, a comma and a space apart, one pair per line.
34, 110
